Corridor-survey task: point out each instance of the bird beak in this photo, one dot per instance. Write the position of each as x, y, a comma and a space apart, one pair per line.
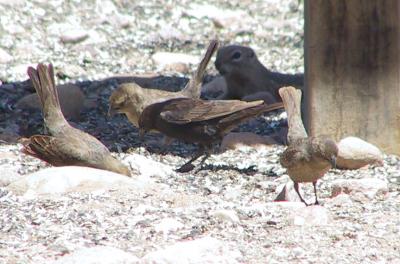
111, 111
333, 162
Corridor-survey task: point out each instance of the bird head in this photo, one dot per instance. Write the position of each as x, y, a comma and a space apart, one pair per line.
330, 151
234, 58
122, 99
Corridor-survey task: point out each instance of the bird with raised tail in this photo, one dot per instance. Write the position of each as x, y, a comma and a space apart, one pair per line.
66, 145
306, 159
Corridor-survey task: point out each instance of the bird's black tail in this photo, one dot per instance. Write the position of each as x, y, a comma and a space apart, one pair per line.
193, 87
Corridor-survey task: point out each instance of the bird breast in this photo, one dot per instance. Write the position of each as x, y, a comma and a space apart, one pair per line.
308, 171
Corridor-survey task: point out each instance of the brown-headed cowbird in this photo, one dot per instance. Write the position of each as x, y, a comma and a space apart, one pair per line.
199, 121
246, 75
66, 145
306, 159
131, 99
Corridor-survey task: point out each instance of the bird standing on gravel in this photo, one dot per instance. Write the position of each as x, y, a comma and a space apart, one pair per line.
67, 145
199, 121
131, 99
246, 75
306, 159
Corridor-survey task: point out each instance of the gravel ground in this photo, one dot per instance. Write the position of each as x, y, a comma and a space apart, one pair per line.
120, 38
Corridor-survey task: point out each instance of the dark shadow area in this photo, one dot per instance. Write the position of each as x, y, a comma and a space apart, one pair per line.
117, 133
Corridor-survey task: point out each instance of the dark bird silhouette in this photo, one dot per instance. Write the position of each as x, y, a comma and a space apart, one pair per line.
131, 99
306, 159
66, 145
246, 75
199, 121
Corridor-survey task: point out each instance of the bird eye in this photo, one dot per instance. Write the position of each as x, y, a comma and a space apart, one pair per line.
236, 55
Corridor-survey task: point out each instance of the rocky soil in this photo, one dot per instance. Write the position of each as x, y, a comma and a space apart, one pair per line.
222, 214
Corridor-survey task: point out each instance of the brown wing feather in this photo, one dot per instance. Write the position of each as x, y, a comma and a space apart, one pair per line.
252, 112
189, 110
295, 154
59, 151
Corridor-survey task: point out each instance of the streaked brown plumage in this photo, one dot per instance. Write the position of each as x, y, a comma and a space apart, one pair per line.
246, 75
306, 159
199, 121
66, 145
131, 99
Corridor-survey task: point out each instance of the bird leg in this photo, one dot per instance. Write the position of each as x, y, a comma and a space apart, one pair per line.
166, 143
206, 156
296, 188
188, 166
315, 191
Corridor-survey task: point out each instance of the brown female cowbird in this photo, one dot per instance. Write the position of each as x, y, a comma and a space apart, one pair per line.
306, 158
199, 121
131, 99
246, 75
66, 145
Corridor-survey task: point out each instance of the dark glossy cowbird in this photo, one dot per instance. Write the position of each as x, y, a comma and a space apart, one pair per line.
199, 121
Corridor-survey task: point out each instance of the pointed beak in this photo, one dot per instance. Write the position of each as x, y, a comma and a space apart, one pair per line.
333, 162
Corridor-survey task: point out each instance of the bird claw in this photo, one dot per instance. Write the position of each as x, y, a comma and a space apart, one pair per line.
185, 168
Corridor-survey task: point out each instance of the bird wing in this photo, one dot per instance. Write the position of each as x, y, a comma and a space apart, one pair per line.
60, 151
186, 110
292, 156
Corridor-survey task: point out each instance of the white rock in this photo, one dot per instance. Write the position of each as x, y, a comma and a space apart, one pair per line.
98, 255
13, 3
233, 193
168, 225
311, 216
224, 18
368, 187
203, 250
164, 59
284, 205
106, 8
167, 32
287, 193
340, 200
226, 215
147, 167
5, 57
238, 140
8, 174
20, 69
57, 180
355, 153
73, 35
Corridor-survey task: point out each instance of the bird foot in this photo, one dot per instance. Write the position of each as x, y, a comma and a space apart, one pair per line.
185, 168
